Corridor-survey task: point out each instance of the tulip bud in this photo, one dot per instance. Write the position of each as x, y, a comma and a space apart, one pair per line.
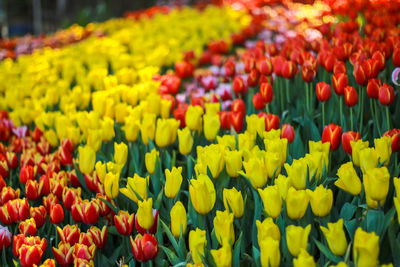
178, 219
63, 254
368, 159
197, 243
267, 93
365, 248
111, 185
360, 74
394, 134
256, 171
237, 120
166, 131
211, 126
258, 101
270, 253
233, 161
69, 234
340, 82
296, 203
297, 173
376, 183
267, 229
238, 85
148, 127
383, 146
185, 141
347, 137
356, 147
350, 96
150, 160
56, 214
137, 184
5, 237
233, 201
145, 213
307, 74
87, 159
386, 94
321, 200
297, 238
120, 153
323, 91
124, 222
27, 227
39, 215
223, 256
202, 194
336, 237
193, 118
144, 248
288, 132
304, 259
153, 228
348, 179
339, 67
30, 255
272, 200
373, 88
223, 227
173, 181
332, 133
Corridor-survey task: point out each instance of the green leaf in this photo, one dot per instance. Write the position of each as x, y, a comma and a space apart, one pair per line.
81, 178
327, 252
351, 227
394, 243
260, 142
347, 211
158, 202
114, 208
173, 259
236, 251
375, 221
256, 256
171, 239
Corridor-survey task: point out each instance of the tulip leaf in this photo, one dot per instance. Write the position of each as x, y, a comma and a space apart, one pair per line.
171, 239
394, 243
375, 221
388, 218
151, 145
81, 178
173, 259
347, 211
182, 244
236, 251
298, 146
327, 252
260, 142
3, 257
256, 256
132, 263
114, 208
351, 227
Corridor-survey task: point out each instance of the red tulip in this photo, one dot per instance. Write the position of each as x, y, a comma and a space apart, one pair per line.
30, 255
238, 105
347, 137
396, 57
323, 91
36, 134
373, 88
27, 173
395, 135
49, 200
271, 121
8, 193
288, 132
43, 147
28, 227
332, 133
84, 252
308, 74
225, 118
12, 160
103, 207
32, 190
380, 58
329, 61
277, 64
264, 66
69, 195
56, 214
90, 211
237, 120
229, 68
124, 222
386, 94
179, 114
86, 239
339, 67
339, 82
5, 237
4, 216
64, 253
360, 74
258, 101
144, 248
91, 182
20, 240
267, 93
99, 236
184, 69
18, 209
4, 170
65, 156
252, 78
69, 234
289, 69
238, 85
39, 215
153, 228
350, 96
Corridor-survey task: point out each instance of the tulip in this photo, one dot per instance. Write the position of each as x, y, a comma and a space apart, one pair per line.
289, 69
56, 214
307, 74
202, 194
84, 252
386, 94
148, 127
394, 134
87, 159
267, 93
8, 193
69, 195
296, 203
357, 146
5, 237
178, 219
238, 85
131, 128
373, 88
223, 226
32, 190
185, 141
233, 161
78, 262
258, 101
111, 185
340, 82
336, 237
173, 181
288, 132
136, 186
63, 254
69, 234
237, 120
264, 66
347, 137
166, 131
271, 121
193, 118
383, 146
197, 242
321, 200
210, 157
323, 91
270, 253
297, 238
94, 139
145, 213
365, 248
304, 259
98, 236
339, 67
348, 179
18, 209
350, 96
297, 173
368, 159
229, 68
28, 227
223, 256
360, 75
211, 126
233, 201
332, 134
272, 200
30, 255
153, 228
267, 229
120, 153
124, 222
377, 180
150, 160
255, 124
27, 173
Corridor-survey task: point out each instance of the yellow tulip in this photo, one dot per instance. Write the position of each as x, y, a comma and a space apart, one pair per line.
297, 173
233, 201
324, 148
185, 141
165, 108
197, 242
107, 129
396, 201
211, 157
193, 118
166, 132
211, 127
365, 248
377, 181
356, 147
178, 219
51, 136
246, 140
202, 194
111, 185
94, 139
74, 135
269, 252
173, 181
223, 256
256, 172
396, 182
101, 171
272, 135
223, 226
348, 179
212, 108
340, 264
233, 161
304, 259
144, 213
296, 203
368, 159
321, 200
283, 183
297, 238
228, 141
131, 128
336, 237
272, 200
136, 184
87, 159
120, 153
383, 146
278, 146
150, 160
148, 127
266, 229
273, 164
316, 163
255, 125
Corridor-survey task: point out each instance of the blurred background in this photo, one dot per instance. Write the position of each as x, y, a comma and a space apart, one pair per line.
20, 17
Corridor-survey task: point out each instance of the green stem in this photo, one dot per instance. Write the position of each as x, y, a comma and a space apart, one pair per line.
267, 108
311, 99
287, 91
341, 109
361, 113
307, 98
351, 119
323, 115
376, 118
387, 118
281, 97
